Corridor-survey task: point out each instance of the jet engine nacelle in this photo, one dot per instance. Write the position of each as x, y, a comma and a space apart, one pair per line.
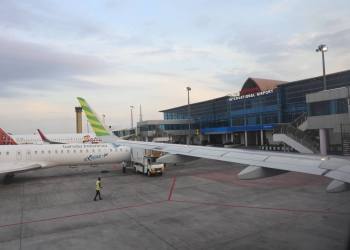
174, 159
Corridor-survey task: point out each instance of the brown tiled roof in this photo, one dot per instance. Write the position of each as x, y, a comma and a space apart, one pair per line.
266, 84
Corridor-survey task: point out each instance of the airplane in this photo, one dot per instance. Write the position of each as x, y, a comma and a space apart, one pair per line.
19, 158
260, 163
57, 138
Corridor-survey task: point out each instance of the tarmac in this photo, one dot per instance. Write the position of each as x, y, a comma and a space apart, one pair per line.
197, 205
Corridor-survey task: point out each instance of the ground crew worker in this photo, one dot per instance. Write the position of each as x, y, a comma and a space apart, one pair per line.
124, 166
98, 188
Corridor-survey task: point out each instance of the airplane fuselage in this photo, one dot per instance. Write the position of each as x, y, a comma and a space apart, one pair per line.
62, 138
58, 155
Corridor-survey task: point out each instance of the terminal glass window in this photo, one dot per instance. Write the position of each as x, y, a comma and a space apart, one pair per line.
239, 121
270, 118
341, 106
320, 108
338, 106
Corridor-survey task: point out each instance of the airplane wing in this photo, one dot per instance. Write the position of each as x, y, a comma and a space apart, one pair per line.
260, 163
6, 167
310, 164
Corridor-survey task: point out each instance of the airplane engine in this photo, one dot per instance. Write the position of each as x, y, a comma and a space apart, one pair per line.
174, 159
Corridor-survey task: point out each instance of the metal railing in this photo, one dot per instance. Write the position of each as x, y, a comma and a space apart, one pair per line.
299, 120
297, 135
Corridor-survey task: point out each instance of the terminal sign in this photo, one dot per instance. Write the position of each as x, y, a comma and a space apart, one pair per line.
252, 95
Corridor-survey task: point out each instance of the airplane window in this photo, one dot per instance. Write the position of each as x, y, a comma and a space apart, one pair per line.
7, 153
81, 151
110, 150
28, 153
35, 152
62, 151
56, 151
74, 151
49, 152
93, 151
68, 151
18, 153
42, 151
87, 151
0, 153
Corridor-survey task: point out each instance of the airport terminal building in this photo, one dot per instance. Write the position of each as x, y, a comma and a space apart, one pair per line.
262, 109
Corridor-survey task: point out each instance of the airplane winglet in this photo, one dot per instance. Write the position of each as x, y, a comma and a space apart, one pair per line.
95, 122
6, 139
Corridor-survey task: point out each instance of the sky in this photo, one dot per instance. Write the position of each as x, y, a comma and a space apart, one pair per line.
122, 53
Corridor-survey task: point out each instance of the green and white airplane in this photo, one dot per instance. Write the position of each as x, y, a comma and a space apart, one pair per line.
260, 164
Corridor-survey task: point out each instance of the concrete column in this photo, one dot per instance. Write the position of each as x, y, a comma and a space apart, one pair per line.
246, 138
226, 137
261, 137
323, 141
231, 138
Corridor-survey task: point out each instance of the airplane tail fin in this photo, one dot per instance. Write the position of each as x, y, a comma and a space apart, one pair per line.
95, 122
6, 139
45, 139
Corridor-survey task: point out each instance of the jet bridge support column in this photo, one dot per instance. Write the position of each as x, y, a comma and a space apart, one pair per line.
323, 141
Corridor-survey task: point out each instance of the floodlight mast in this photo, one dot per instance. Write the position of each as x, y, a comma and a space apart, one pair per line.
189, 114
323, 48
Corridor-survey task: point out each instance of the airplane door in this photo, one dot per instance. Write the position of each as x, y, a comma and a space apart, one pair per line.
18, 155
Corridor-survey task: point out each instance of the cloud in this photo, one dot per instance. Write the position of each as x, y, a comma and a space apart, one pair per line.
203, 22
339, 39
34, 66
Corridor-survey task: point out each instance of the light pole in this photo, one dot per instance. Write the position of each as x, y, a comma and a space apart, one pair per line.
132, 116
245, 123
229, 116
323, 48
229, 112
189, 114
323, 131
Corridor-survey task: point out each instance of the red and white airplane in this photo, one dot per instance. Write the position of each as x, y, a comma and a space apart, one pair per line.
49, 138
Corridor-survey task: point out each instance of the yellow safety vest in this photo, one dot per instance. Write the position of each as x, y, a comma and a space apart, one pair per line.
98, 185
